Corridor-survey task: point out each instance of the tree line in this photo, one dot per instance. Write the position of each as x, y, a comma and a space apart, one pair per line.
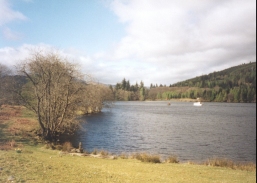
235, 84
129, 92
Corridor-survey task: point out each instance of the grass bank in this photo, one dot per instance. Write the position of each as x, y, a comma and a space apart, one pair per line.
36, 164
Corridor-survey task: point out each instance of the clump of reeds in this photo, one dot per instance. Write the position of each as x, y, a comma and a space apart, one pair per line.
12, 143
123, 156
95, 152
59, 147
104, 153
49, 146
223, 162
144, 157
247, 166
172, 159
67, 146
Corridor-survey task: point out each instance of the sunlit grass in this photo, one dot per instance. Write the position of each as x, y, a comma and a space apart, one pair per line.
37, 164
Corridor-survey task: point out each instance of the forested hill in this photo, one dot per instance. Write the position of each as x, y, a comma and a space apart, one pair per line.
235, 84
237, 76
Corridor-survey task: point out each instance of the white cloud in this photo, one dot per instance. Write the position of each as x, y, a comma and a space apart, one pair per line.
7, 14
12, 57
200, 36
166, 40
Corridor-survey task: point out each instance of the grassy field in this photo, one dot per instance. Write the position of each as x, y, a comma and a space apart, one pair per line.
37, 164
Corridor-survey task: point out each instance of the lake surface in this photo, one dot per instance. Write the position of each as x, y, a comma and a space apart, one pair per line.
192, 133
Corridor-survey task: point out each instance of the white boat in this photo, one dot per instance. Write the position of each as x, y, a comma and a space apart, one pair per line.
198, 104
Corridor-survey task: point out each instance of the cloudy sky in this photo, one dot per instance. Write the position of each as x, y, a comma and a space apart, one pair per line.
156, 41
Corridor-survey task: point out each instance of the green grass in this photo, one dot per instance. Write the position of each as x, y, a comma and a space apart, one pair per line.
37, 164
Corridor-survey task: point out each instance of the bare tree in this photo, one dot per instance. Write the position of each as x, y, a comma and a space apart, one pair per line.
96, 97
54, 92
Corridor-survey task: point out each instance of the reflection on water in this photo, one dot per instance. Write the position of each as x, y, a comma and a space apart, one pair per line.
193, 133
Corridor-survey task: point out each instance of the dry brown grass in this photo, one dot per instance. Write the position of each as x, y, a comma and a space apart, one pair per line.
67, 146
10, 145
124, 156
104, 153
223, 162
144, 157
172, 159
15, 123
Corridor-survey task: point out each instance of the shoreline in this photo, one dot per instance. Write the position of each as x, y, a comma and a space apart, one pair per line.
27, 123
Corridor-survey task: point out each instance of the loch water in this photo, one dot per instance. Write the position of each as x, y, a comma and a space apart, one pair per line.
223, 130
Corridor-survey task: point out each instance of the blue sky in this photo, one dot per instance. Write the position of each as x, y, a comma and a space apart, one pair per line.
159, 42
84, 25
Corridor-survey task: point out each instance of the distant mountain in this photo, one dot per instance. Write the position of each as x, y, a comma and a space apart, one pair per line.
236, 76
235, 84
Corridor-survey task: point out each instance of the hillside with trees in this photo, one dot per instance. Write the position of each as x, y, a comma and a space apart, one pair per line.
235, 84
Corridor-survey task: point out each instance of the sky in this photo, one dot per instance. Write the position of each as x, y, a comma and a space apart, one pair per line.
154, 41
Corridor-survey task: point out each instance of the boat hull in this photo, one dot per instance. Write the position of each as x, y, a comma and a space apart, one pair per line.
198, 104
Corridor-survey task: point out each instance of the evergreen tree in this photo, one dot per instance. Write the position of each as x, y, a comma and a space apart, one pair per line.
123, 84
141, 84
128, 86
136, 87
